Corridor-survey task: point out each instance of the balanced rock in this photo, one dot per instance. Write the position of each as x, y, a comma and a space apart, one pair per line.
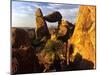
41, 26
83, 38
53, 17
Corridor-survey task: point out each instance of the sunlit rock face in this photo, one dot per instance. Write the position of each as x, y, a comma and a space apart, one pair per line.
41, 26
83, 38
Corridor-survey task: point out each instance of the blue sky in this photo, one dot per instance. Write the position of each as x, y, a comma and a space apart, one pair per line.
23, 13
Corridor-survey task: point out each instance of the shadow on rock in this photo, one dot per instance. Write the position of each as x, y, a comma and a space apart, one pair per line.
80, 64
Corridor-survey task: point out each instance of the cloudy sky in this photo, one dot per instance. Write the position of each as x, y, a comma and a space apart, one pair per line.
23, 13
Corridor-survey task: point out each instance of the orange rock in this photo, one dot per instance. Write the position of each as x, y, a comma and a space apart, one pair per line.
41, 26
84, 34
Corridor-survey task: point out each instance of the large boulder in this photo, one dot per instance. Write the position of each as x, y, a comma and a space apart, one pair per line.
83, 38
41, 26
53, 17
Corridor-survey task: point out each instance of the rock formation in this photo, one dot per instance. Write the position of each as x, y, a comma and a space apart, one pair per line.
65, 30
24, 58
74, 44
53, 17
83, 38
19, 37
41, 26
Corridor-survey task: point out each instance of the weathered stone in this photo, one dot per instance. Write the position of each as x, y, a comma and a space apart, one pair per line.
24, 58
19, 37
53, 17
83, 38
63, 27
31, 33
65, 30
41, 26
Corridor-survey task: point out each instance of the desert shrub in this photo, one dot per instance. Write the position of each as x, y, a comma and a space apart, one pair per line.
54, 45
54, 48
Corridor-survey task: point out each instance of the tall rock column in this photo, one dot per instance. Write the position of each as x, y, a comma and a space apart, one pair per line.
41, 26
84, 35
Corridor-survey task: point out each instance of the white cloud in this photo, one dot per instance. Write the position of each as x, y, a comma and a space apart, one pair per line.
30, 8
19, 15
56, 5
